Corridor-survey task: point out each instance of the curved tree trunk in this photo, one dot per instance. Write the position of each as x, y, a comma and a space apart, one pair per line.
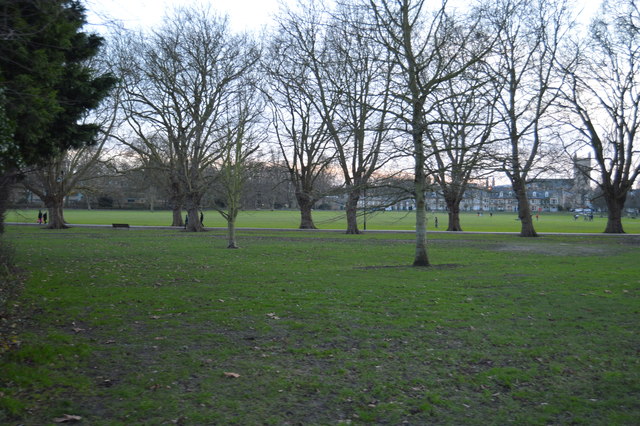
352, 212
614, 218
453, 208
306, 206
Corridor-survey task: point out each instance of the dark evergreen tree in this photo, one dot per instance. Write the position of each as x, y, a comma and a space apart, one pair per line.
46, 83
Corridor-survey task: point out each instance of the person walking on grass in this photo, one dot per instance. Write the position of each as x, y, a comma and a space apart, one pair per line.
39, 217
44, 217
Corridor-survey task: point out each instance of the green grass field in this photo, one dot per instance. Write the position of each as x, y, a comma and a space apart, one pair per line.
499, 222
166, 327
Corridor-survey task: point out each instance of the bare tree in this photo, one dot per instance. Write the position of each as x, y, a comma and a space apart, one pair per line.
177, 82
530, 34
300, 129
61, 176
242, 135
155, 157
602, 97
459, 139
426, 48
352, 74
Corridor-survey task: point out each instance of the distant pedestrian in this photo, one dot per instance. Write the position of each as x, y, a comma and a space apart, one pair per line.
537, 217
186, 220
44, 217
436, 221
40, 217
202, 218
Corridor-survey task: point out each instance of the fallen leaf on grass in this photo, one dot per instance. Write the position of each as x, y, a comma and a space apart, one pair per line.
67, 418
231, 375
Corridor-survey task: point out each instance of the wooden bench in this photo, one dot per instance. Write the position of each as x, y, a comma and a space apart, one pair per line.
121, 225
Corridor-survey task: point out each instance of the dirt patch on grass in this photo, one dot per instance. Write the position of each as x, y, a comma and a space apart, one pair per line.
556, 249
441, 266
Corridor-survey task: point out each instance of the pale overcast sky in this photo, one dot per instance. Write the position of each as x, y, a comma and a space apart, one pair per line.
244, 14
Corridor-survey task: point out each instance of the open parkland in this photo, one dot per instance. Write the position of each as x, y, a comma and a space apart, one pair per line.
155, 325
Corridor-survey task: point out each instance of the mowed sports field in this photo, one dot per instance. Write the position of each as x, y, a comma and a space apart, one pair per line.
387, 220
162, 326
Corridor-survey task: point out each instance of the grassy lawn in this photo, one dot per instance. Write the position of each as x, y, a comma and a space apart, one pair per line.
161, 326
502, 222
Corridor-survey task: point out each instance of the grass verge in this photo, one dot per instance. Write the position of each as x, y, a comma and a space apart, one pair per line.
155, 326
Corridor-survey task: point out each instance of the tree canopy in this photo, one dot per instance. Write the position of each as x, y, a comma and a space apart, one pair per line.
46, 82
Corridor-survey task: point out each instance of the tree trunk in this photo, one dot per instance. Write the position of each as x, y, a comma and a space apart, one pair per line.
306, 205
615, 206
231, 232
524, 210
55, 213
7, 181
421, 258
194, 224
192, 203
176, 201
453, 207
177, 216
352, 212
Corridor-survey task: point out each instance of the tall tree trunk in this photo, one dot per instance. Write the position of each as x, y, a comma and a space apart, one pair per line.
453, 209
352, 212
421, 258
55, 212
615, 205
306, 206
524, 210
